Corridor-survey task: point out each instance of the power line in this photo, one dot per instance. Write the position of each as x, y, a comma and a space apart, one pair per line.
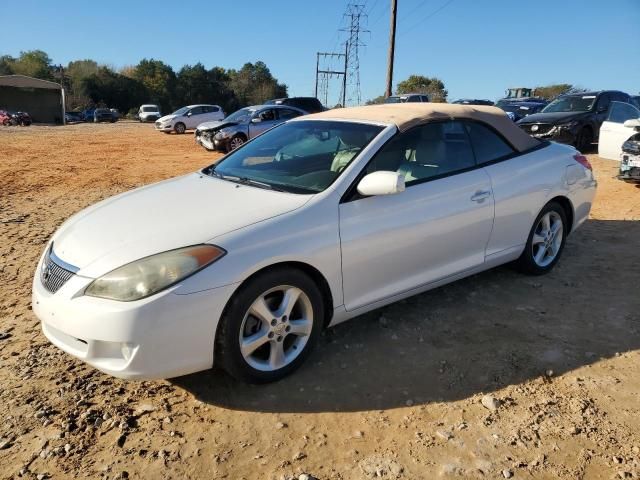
424, 19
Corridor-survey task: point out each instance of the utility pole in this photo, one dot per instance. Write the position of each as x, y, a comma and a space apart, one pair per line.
392, 47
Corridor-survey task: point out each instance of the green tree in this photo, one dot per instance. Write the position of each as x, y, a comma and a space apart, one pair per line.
550, 92
6, 64
376, 101
33, 63
432, 86
196, 84
254, 84
111, 89
159, 80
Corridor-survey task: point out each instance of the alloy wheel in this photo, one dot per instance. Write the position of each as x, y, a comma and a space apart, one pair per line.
276, 328
547, 239
235, 142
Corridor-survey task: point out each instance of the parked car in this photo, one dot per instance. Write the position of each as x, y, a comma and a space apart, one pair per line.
630, 159
4, 117
115, 113
19, 118
621, 124
308, 104
103, 115
407, 98
519, 94
87, 114
242, 264
149, 113
188, 118
473, 101
518, 110
73, 117
574, 119
243, 125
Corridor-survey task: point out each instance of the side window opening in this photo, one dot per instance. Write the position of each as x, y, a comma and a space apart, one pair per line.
487, 145
427, 151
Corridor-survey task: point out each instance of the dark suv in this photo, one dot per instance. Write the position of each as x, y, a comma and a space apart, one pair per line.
308, 104
573, 118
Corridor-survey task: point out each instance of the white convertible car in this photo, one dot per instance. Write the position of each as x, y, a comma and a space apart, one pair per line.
320, 219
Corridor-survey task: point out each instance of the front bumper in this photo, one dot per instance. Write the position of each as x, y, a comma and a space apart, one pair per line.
163, 336
630, 168
166, 127
205, 141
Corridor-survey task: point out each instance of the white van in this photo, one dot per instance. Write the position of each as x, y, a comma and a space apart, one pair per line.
149, 113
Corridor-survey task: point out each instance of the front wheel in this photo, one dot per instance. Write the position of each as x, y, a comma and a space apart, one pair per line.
235, 142
546, 241
270, 326
180, 128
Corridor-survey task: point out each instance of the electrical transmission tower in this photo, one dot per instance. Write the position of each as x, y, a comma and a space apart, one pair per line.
357, 19
327, 73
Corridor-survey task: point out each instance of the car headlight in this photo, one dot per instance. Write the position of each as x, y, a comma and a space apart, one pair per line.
222, 134
149, 275
566, 126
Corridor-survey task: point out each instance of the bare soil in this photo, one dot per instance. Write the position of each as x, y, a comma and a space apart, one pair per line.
396, 393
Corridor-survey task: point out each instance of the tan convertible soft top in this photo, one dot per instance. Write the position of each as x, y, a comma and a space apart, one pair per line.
407, 115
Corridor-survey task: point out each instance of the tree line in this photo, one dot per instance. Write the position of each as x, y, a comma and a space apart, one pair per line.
89, 84
435, 88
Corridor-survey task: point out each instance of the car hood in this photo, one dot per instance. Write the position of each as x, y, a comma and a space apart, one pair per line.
179, 212
217, 125
167, 118
553, 117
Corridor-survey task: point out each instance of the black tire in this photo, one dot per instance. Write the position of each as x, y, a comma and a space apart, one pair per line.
235, 142
527, 263
584, 139
180, 128
227, 350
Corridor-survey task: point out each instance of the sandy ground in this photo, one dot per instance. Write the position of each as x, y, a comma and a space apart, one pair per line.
393, 394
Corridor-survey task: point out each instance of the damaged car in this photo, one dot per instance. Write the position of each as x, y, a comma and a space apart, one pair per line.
243, 125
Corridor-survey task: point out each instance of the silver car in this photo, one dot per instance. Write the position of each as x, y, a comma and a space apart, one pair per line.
243, 125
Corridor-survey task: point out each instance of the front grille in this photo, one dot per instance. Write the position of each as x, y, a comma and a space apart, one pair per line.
52, 275
536, 128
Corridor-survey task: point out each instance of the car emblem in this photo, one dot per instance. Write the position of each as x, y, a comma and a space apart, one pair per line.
534, 128
46, 273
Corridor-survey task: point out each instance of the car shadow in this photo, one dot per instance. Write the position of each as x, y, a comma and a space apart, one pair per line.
479, 334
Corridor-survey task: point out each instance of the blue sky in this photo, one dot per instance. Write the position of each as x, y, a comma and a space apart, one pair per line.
477, 47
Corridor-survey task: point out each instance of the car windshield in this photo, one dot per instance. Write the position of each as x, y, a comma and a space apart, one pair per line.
571, 103
149, 109
181, 111
298, 157
240, 116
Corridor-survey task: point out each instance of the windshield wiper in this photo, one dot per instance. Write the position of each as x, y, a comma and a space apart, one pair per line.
244, 180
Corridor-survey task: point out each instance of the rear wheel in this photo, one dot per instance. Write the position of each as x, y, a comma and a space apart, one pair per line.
270, 326
180, 128
546, 241
584, 139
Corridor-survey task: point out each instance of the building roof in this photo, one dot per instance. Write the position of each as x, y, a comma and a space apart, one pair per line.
22, 81
408, 115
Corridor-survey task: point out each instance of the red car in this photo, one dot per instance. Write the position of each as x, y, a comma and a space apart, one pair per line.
4, 117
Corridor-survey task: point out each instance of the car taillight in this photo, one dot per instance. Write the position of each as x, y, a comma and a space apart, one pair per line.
582, 160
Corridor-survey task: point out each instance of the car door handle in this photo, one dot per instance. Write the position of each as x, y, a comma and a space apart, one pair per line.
481, 195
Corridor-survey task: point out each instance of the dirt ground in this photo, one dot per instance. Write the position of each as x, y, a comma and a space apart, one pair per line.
397, 393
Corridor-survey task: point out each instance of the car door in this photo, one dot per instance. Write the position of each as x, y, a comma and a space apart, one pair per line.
613, 133
262, 121
211, 113
437, 227
193, 118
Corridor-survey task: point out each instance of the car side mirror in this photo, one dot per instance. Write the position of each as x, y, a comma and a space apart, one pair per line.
189, 114
256, 120
381, 183
632, 123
